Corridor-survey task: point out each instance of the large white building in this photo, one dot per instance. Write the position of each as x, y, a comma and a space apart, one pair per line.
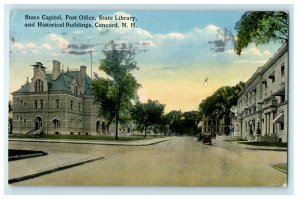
262, 106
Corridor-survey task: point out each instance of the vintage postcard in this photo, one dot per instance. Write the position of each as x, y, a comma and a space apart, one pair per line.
188, 98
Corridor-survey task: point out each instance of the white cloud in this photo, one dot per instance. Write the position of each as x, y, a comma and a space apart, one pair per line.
230, 51
254, 51
60, 41
46, 46
267, 53
212, 28
208, 29
18, 46
143, 33
176, 35
172, 35
30, 45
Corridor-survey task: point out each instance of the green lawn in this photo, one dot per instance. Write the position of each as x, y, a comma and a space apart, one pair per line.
271, 144
81, 137
283, 167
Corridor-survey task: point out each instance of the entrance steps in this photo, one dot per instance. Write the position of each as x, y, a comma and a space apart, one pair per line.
269, 138
33, 132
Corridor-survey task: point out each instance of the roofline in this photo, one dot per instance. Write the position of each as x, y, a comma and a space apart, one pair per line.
262, 69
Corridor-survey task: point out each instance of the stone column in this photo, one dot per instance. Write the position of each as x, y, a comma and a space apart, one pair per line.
265, 125
268, 124
271, 123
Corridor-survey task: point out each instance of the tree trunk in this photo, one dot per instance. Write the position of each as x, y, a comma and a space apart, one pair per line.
118, 112
107, 128
117, 123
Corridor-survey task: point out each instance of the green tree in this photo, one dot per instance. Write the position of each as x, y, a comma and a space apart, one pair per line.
261, 27
147, 115
119, 63
219, 104
174, 119
105, 93
190, 120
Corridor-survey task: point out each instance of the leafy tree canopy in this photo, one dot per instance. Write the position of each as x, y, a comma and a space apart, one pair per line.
219, 104
261, 27
147, 115
105, 93
118, 63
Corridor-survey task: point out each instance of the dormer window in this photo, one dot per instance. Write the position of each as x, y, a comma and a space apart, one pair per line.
76, 90
282, 69
272, 76
38, 86
265, 83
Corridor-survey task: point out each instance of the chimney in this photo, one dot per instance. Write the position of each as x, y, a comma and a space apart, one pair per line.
38, 66
56, 69
82, 78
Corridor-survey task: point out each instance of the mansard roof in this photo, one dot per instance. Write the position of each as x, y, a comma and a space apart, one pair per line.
62, 83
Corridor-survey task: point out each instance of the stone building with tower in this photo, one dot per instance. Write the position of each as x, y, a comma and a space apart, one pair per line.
262, 106
56, 103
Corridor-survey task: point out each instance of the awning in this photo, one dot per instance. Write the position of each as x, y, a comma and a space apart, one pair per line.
268, 98
280, 91
261, 101
279, 118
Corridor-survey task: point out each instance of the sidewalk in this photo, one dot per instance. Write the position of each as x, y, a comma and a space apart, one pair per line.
235, 144
25, 169
146, 142
33, 167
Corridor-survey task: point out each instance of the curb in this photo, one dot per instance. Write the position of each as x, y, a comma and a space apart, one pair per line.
266, 149
40, 173
274, 167
12, 158
93, 143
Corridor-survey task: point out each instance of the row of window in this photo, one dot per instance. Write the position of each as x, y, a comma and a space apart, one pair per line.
21, 118
209, 122
40, 104
56, 122
265, 84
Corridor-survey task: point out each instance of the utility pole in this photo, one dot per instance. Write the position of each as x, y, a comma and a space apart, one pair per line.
91, 53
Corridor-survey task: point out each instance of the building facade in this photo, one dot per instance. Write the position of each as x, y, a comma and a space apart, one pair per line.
262, 106
211, 126
56, 103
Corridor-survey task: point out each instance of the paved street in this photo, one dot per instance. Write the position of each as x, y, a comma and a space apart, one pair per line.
181, 161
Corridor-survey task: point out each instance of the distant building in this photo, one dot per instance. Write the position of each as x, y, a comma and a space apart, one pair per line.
262, 106
235, 126
211, 126
56, 103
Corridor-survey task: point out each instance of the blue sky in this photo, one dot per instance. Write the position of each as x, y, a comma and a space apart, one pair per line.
172, 70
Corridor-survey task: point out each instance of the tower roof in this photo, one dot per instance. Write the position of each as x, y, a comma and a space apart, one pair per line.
38, 64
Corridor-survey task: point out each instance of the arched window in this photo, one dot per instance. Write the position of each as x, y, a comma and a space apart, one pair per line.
76, 90
56, 123
38, 85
